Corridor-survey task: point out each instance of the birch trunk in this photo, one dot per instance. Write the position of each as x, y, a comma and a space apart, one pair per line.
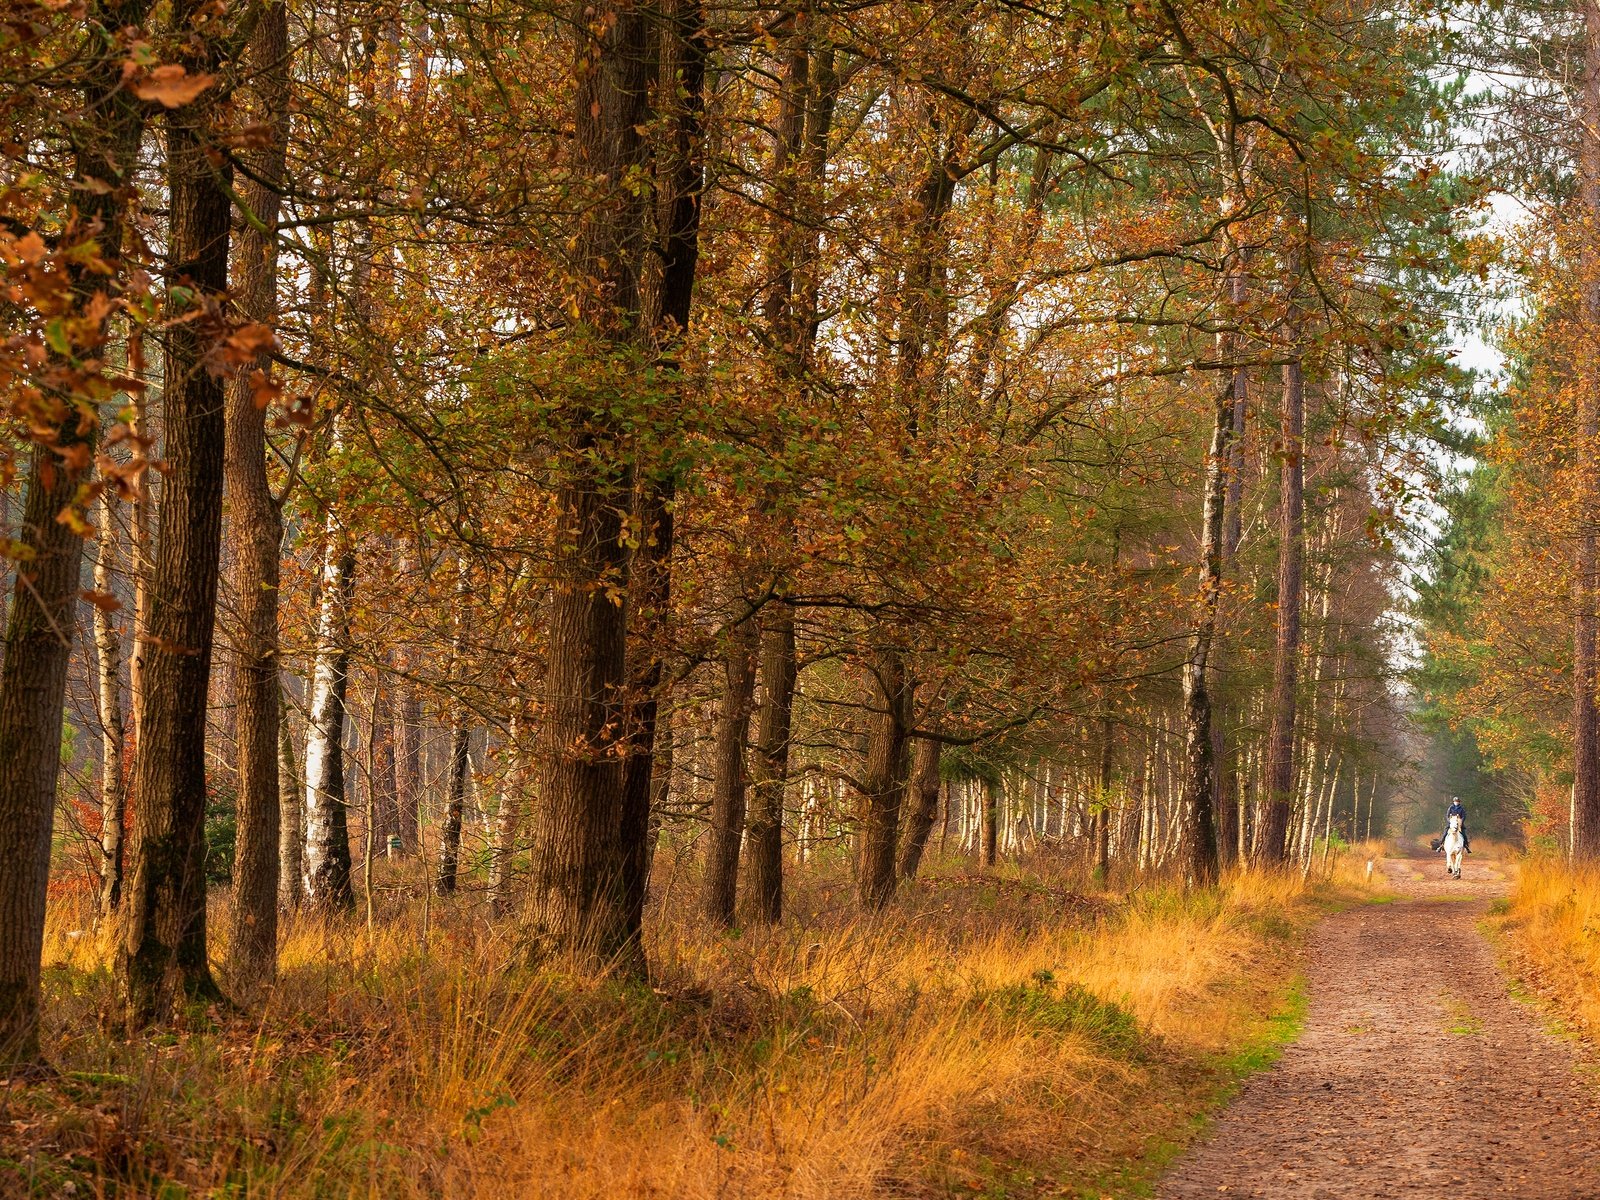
327, 864
508, 820
108, 660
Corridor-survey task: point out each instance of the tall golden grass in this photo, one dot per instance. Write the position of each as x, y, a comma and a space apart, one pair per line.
1554, 921
989, 1031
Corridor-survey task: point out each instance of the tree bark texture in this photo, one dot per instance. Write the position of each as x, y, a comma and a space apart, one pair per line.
989, 819
1586, 568
1199, 827
257, 537
769, 765
1102, 812
924, 805
39, 629
508, 821
108, 662
460, 741
408, 766
455, 802
291, 818
884, 781
730, 774
162, 956
327, 863
580, 895
1272, 844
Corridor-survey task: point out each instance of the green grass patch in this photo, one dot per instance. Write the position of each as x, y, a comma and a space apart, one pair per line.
1216, 1084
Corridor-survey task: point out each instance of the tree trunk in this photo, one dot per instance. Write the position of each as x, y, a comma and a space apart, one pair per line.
1102, 811
1272, 843
885, 779
258, 534
328, 884
38, 643
1586, 573
1198, 819
108, 659
683, 61
729, 774
163, 949
925, 807
507, 821
460, 741
408, 766
580, 899
770, 763
990, 820
455, 801
381, 768
291, 818
142, 562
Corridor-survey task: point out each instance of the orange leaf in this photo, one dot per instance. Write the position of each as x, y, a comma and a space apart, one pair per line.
171, 86
104, 601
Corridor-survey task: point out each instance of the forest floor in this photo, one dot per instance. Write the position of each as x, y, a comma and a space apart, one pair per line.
1417, 1069
1007, 1034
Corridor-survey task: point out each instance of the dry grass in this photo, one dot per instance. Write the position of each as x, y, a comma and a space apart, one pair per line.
1554, 923
991, 1035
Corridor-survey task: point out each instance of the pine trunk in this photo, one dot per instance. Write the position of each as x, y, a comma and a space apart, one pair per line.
1272, 844
408, 766
455, 803
1198, 786
460, 743
887, 767
582, 899
38, 644
925, 805
770, 763
989, 822
1586, 573
162, 956
257, 538
729, 775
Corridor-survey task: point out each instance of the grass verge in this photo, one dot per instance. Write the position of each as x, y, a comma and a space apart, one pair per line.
991, 1036
1548, 933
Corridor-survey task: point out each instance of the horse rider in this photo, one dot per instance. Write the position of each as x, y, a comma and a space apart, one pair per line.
1456, 809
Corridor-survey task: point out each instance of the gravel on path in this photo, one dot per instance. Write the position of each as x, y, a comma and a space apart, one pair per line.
1417, 1073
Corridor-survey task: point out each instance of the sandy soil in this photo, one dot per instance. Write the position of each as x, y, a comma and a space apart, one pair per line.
1417, 1073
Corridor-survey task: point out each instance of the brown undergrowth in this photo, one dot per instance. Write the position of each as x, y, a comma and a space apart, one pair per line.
992, 1035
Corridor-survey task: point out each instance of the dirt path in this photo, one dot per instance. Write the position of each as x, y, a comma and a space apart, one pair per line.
1416, 1073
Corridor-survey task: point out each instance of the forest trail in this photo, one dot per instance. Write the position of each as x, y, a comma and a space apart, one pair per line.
1417, 1072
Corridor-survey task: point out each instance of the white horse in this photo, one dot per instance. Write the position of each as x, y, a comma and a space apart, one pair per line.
1455, 843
